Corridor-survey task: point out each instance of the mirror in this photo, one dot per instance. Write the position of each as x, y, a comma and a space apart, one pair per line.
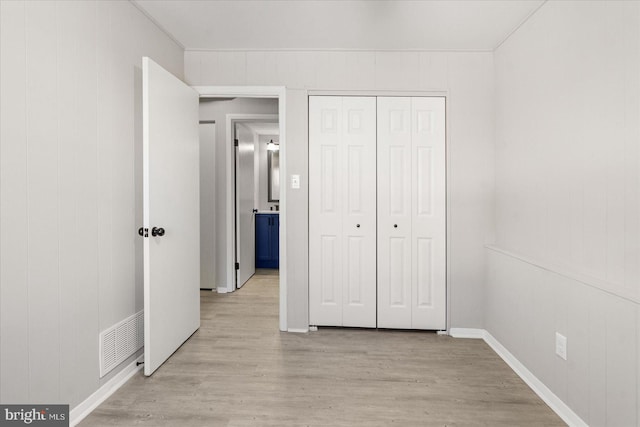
273, 168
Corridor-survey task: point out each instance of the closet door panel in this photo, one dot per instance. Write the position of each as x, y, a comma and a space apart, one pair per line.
394, 212
377, 195
428, 169
359, 216
326, 200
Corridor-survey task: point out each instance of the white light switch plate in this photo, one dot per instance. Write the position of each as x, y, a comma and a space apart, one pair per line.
295, 181
561, 346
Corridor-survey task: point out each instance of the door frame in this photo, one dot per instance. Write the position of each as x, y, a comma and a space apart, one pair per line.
231, 121
448, 154
279, 93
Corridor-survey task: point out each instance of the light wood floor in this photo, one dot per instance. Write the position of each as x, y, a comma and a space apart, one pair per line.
239, 370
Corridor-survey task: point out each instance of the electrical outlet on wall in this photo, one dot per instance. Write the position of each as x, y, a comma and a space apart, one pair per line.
561, 346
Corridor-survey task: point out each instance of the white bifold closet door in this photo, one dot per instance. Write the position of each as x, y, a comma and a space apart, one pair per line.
411, 213
342, 211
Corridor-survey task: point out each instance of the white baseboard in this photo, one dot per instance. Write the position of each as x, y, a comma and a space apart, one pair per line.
298, 330
554, 402
467, 333
80, 412
549, 397
222, 289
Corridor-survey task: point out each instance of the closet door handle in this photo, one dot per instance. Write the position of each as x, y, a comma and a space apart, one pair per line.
395, 225
357, 225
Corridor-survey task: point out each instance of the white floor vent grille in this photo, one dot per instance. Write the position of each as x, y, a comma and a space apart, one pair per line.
120, 341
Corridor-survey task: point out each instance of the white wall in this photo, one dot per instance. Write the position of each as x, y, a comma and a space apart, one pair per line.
567, 204
208, 246
70, 201
468, 79
213, 182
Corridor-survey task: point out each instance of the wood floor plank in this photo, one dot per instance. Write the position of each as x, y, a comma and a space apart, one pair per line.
238, 370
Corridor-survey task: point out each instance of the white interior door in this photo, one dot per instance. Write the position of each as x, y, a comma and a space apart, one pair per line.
394, 212
342, 211
245, 203
325, 210
171, 214
428, 240
411, 213
359, 211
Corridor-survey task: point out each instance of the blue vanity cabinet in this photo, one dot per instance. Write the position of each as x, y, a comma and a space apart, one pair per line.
267, 240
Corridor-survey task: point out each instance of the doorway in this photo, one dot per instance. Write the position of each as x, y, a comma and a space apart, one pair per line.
225, 178
256, 189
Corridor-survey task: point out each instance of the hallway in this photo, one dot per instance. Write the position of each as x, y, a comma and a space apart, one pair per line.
239, 370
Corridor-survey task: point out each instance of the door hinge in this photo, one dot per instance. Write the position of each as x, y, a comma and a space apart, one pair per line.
237, 266
236, 142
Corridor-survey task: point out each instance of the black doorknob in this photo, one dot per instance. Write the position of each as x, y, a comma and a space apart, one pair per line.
358, 225
395, 225
157, 231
